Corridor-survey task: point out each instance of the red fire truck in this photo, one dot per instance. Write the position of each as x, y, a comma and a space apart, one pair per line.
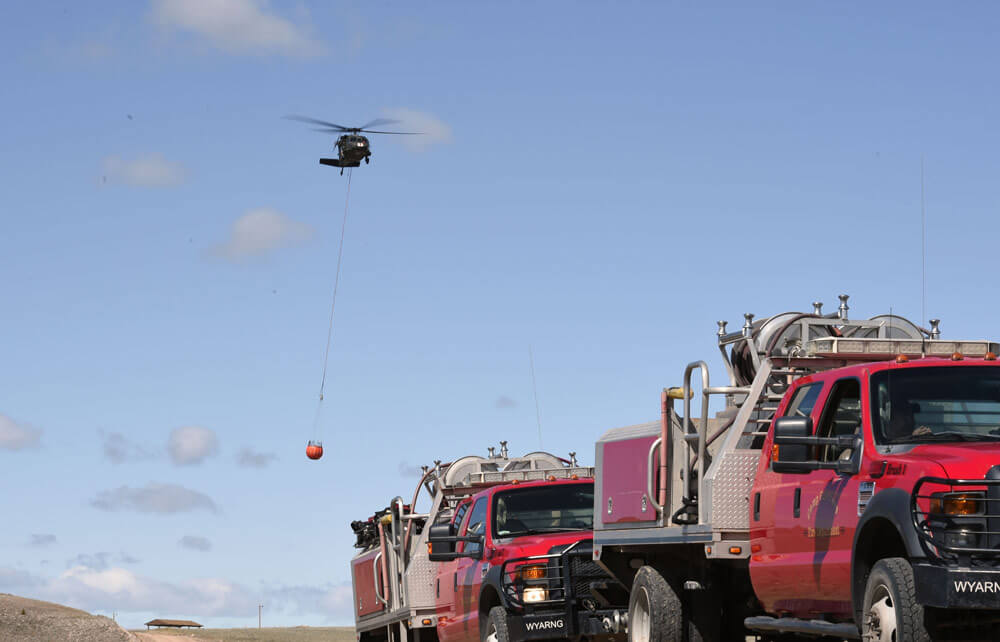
503, 554
848, 488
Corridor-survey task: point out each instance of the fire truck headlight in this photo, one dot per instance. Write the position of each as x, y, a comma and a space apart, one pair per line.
957, 504
534, 594
962, 539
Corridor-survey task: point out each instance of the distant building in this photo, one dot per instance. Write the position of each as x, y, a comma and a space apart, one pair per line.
177, 624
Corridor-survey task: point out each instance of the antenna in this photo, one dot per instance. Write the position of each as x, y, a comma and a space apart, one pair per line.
923, 248
534, 389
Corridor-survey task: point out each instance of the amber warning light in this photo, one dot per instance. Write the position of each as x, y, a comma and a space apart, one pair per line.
956, 504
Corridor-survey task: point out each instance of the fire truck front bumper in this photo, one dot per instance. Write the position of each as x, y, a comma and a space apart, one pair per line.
602, 623
956, 587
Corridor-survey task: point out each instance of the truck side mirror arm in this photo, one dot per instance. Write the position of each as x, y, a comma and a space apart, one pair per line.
443, 547
796, 434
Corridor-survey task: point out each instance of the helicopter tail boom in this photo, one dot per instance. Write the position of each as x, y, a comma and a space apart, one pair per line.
336, 162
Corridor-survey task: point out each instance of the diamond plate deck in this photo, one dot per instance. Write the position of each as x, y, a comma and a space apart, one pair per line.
420, 583
731, 490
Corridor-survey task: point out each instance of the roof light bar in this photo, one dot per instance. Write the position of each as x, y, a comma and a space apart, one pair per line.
891, 348
507, 476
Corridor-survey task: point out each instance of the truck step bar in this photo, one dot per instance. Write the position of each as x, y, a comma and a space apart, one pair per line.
802, 627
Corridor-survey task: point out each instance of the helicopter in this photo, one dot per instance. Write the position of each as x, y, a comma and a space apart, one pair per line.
352, 147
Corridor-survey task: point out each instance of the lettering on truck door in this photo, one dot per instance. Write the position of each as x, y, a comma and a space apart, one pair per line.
469, 575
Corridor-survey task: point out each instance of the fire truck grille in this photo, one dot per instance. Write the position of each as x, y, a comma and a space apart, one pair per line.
958, 520
568, 577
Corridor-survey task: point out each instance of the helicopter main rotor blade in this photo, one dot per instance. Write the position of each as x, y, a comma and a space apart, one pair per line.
372, 131
379, 121
315, 121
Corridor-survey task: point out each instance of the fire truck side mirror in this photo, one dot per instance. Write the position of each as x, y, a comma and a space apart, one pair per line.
791, 445
442, 540
794, 445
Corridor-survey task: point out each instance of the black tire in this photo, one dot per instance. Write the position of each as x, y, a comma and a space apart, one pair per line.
891, 595
496, 625
654, 609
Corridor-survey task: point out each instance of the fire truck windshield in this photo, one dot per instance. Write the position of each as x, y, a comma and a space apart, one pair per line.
916, 405
543, 509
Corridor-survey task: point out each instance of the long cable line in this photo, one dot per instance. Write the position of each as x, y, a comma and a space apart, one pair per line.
333, 304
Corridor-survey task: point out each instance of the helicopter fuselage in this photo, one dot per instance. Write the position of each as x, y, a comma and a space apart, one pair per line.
352, 149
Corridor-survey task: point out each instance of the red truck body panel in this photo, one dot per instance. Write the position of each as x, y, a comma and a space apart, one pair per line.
626, 489
363, 572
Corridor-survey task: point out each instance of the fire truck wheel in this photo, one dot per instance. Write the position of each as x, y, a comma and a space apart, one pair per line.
654, 609
891, 611
496, 626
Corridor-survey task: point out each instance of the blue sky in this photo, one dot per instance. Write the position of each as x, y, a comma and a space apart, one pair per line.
600, 182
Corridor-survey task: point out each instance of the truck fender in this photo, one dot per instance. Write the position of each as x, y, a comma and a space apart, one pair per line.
887, 513
491, 592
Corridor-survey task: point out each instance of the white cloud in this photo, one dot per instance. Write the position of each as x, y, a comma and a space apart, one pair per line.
150, 170
259, 232
100, 561
93, 589
41, 540
195, 543
433, 131
236, 26
15, 436
12, 579
191, 445
503, 401
118, 448
407, 469
249, 458
154, 498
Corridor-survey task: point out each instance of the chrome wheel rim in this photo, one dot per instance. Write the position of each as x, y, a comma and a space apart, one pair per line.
880, 621
638, 619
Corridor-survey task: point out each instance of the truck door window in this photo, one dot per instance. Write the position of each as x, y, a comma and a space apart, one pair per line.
804, 400
459, 514
476, 525
842, 416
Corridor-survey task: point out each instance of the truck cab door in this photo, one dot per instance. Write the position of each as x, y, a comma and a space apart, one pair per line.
828, 511
775, 534
449, 626
469, 575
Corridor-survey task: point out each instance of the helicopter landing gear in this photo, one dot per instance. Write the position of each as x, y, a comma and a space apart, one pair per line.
367, 160
341, 171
